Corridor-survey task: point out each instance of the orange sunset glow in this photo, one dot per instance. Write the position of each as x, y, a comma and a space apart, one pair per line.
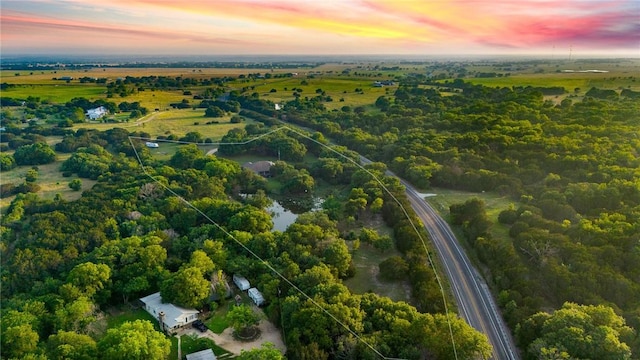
219, 27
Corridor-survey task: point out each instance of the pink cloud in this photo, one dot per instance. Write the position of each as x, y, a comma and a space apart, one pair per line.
11, 22
336, 25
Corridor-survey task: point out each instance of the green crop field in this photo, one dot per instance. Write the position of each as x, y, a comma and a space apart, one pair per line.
56, 93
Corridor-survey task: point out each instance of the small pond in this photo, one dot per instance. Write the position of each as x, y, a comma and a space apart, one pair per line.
285, 211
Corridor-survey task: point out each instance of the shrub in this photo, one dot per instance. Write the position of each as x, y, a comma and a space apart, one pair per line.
32, 175
75, 184
7, 162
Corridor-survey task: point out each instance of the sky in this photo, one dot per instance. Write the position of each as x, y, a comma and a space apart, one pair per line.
320, 27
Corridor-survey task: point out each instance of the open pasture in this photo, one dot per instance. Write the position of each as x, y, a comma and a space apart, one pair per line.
113, 73
570, 81
50, 180
335, 86
618, 74
176, 122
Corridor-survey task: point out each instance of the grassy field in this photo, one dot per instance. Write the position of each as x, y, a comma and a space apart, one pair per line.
619, 74
327, 77
55, 93
111, 73
156, 99
176, 122
570, 81
335, 86
50, 180
494, 204
366, 260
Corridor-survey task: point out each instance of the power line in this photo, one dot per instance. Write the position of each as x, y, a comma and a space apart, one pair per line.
264, 262
414, 227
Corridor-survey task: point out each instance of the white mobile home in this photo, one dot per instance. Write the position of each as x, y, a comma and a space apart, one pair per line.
241, 282
256, 296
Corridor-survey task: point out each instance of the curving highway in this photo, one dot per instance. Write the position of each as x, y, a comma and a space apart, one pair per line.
475, 302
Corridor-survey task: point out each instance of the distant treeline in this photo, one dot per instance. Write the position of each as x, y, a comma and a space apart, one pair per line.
182, 64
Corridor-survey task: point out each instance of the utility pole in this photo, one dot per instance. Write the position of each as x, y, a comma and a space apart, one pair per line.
570, 50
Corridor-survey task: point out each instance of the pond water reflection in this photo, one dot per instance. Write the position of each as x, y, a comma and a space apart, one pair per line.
285, 211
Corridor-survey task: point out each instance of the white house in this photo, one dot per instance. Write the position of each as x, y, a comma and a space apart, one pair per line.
256, 296
241, 282
96, 113
170, 317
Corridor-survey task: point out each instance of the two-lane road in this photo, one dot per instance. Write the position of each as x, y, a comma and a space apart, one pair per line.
475, 302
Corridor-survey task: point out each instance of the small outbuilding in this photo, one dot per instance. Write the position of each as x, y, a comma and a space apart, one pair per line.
150, 144
206, 354
242, 283
262, 168
256, 296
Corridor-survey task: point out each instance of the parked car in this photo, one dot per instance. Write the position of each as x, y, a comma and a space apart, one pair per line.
198, 324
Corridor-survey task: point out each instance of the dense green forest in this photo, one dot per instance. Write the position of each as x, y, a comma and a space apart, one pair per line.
574, 167
131, 235
566, 276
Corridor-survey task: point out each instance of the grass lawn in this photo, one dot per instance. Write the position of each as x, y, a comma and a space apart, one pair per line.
217, 322
366, 260
121, 317
191, 343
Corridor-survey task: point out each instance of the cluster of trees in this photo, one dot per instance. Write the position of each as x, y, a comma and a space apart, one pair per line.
573, 166
130, 236
134, 107
278, 145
